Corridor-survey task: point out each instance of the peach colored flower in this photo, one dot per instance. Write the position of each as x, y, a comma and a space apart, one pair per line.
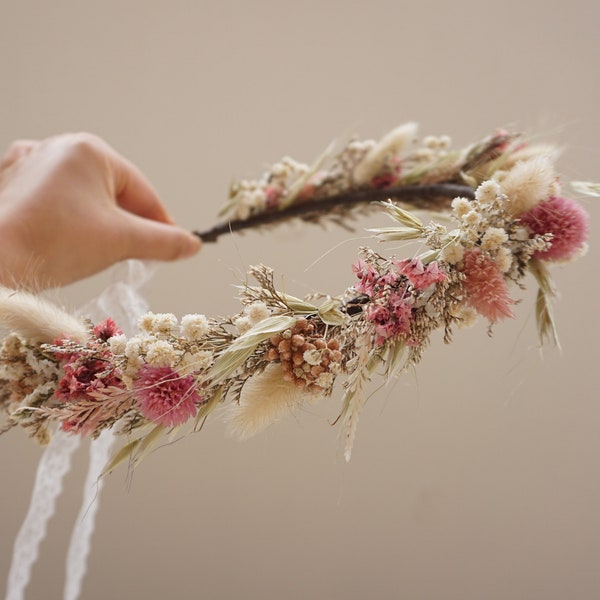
566, 220
485, 286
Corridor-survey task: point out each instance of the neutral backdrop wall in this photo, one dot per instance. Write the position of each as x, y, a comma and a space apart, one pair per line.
475, 476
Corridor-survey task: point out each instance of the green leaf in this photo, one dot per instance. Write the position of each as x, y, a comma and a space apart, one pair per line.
330, 313
392, 234
121, 455
394, 358
243, 347
402, 216
207, 408
586, 187
147, 443
543, 304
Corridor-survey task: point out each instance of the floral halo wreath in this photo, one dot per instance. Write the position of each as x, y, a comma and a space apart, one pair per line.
508, 217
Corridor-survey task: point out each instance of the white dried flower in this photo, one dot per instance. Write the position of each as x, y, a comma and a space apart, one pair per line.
493, 238
312, 357
257, 199
488, 191
472, 218
468, 317
242, 324
445, 141
424, 154
528, 183
499, 176
461, 206
504, 259
161, 354
521, 234
257, 312
452, 253
159, 323
195, 361
431, 141
133, 347
241, 212
325, 380
194, 327
117, 344
335, 368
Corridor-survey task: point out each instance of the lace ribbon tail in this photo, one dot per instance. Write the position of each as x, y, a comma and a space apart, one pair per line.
81, 538
54, 465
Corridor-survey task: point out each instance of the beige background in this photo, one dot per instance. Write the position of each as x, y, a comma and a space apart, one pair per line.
475, 477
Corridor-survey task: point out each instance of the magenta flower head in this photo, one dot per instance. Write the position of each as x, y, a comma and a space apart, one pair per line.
164, 396
107, 329
566, 220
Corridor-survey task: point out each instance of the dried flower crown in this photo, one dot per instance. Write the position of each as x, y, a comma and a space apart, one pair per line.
502, 198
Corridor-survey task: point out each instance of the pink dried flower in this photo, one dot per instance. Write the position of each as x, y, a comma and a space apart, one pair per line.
273, 194
566, 220
420, 276
164, 396
106, 330
390, 320
367, 276
485, 286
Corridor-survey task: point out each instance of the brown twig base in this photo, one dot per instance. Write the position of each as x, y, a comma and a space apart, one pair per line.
425, 197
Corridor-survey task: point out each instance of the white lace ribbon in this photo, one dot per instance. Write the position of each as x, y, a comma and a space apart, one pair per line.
81, 538
53, 466
123, 302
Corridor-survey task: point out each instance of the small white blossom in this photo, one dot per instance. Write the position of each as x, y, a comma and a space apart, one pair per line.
453, 253
312, 357
257, 312
521, 234
472, 218
242, 324
488, 191
257, 199
324, 380
160, 323
193, 327
133, 350
117, 344
504, 259
335, 368
161, 354
195, 361
461, 206
133, 347
493, 238
468, 317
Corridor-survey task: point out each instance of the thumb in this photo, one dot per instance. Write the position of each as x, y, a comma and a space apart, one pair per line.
147, 239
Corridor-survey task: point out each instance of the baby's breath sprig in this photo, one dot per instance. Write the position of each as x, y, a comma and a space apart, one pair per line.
504, 217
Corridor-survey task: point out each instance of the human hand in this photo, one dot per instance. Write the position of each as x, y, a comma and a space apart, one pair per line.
70, 206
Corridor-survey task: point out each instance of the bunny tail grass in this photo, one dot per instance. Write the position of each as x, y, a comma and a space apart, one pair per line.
36, 319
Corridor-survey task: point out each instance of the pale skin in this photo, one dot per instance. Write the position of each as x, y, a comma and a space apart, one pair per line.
71, 206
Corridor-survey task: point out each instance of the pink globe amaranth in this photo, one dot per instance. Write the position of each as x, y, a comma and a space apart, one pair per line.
566, 220
164, 396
